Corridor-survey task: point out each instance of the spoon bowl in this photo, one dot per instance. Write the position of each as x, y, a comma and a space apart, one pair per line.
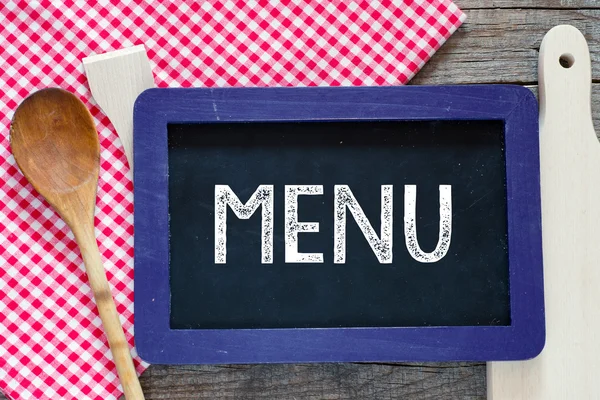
54, 141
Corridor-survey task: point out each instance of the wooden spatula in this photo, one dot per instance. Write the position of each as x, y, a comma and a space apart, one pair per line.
569, 365
116, 79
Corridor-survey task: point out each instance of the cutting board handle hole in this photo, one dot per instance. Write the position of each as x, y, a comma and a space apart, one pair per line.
566, 60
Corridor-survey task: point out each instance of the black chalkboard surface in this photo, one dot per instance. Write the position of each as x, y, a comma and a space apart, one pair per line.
468, 286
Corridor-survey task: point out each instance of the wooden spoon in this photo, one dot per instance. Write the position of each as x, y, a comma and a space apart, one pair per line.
55, 144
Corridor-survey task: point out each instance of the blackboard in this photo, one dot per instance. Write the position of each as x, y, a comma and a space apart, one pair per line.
468, 286
337, 224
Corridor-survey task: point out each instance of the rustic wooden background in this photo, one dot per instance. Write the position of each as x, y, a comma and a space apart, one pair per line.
499, 43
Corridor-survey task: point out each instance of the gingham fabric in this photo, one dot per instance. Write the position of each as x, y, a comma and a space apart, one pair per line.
52, 345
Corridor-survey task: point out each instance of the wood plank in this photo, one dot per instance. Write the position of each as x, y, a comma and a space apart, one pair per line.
550, 4
316, 381
502, 46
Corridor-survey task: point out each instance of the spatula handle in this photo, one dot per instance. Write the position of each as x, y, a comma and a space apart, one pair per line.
108, 313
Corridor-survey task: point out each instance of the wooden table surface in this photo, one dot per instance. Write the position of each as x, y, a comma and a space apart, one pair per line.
499, 43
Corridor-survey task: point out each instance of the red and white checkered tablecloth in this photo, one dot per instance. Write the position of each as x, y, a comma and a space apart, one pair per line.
52, 345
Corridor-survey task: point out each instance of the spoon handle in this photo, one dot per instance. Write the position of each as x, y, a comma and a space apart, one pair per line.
108, 312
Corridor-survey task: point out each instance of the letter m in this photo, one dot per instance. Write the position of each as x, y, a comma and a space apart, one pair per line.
224, 197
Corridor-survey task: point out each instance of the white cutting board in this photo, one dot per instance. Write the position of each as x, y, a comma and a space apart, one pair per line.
569, 366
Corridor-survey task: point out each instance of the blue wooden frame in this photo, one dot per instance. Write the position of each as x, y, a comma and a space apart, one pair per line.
516, 106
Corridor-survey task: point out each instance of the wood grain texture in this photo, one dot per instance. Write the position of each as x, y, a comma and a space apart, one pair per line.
570, 171
538, 4
316, 381
502, 46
